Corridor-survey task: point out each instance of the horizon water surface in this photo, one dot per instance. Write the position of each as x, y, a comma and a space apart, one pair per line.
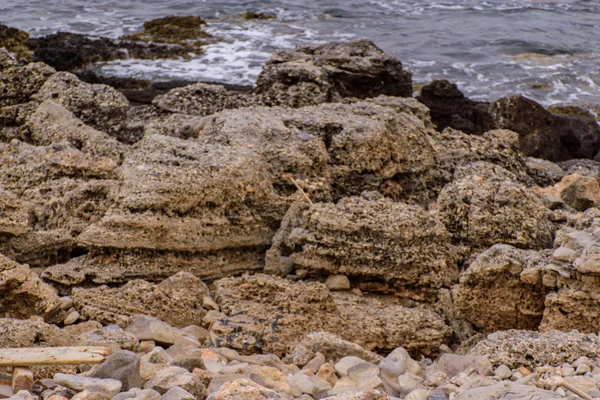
547, 50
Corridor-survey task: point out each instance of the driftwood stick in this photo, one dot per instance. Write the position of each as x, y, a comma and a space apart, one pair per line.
576, 390
291, 178
22, 357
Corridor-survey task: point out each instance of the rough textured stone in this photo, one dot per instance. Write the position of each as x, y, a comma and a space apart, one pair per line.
576, 191
176, 301
18, 84
482, 211
24, 294
287, 311
329, 72
123, 366
178, 393
515, 348
170, 377
454, 364
543, 134
29, 333
145, 327
331, 346
502, 289
507, 391
410, 246
181, 30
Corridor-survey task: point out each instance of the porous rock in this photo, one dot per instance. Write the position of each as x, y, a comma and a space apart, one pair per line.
409, 245
515, 348
482, 211
495, 294
329, 72
244, 389
176, 301
287, 311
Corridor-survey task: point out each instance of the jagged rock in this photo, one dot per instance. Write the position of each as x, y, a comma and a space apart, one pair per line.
515, 348
543, 134
182, 30
410, 246
6, 59
201, 99
330, 72
576, 191
14, 215
334, 150
99, 106
287, 311
170, 377
109, 336
482, 211
145, 327
18, 84
182, 126
450, 108
14, 40
23, 294
68, 51
454, 149
29, 333
177, 301
589, 168
502, 289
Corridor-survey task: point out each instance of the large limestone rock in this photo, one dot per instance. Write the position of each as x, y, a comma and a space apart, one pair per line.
484, 210
407, 245
23, 294
543, 134
508, 391
18, 84
502, 289
28, 333
99, 106
516, 348
575, 190
177, 301
330, 72
281, 312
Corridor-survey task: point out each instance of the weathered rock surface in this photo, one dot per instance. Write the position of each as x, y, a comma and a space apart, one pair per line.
482, 211
29, 333
502, 289
23, 293
529, 348
325, 73
123, 366
180, 30
278, 322
407, 244
177, 301
15, 41
508, 391
575, 190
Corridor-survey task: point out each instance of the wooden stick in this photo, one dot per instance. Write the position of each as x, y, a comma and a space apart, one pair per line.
20, 357
576, 390
291, 178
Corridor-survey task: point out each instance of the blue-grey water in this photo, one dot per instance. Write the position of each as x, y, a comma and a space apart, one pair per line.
547, 50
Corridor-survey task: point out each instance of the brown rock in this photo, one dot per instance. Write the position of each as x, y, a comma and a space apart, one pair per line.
177, 301
244, 389
410, 246
14, 40
576, 191
182, 30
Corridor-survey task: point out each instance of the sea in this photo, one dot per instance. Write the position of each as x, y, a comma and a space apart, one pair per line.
548, 50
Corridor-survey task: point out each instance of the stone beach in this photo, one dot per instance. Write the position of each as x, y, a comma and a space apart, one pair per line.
324, 235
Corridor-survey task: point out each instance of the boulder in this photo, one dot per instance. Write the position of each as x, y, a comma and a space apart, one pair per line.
18, 84
123, 366
502, 289
145, 327
543, 134
409, 245
176, 301
481, 211
99, 106
169, 377
516, 348
179, 30
29, 333
575, 190
326, 73
287, 311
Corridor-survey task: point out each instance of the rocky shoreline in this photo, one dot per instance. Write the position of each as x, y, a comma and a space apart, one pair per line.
322, 235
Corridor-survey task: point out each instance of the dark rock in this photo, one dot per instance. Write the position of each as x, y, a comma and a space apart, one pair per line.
185, 31
67, 51
327, 73
571, 109
123, 366
14, 40
250, 15
543, 134
450, 108
437, 396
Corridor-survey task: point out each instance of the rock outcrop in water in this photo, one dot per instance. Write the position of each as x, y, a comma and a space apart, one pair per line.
314, 238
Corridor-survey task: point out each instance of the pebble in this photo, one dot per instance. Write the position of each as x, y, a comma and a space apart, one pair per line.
342, 366
337, 282
582, 369
503, 372
72, 318
109, 387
